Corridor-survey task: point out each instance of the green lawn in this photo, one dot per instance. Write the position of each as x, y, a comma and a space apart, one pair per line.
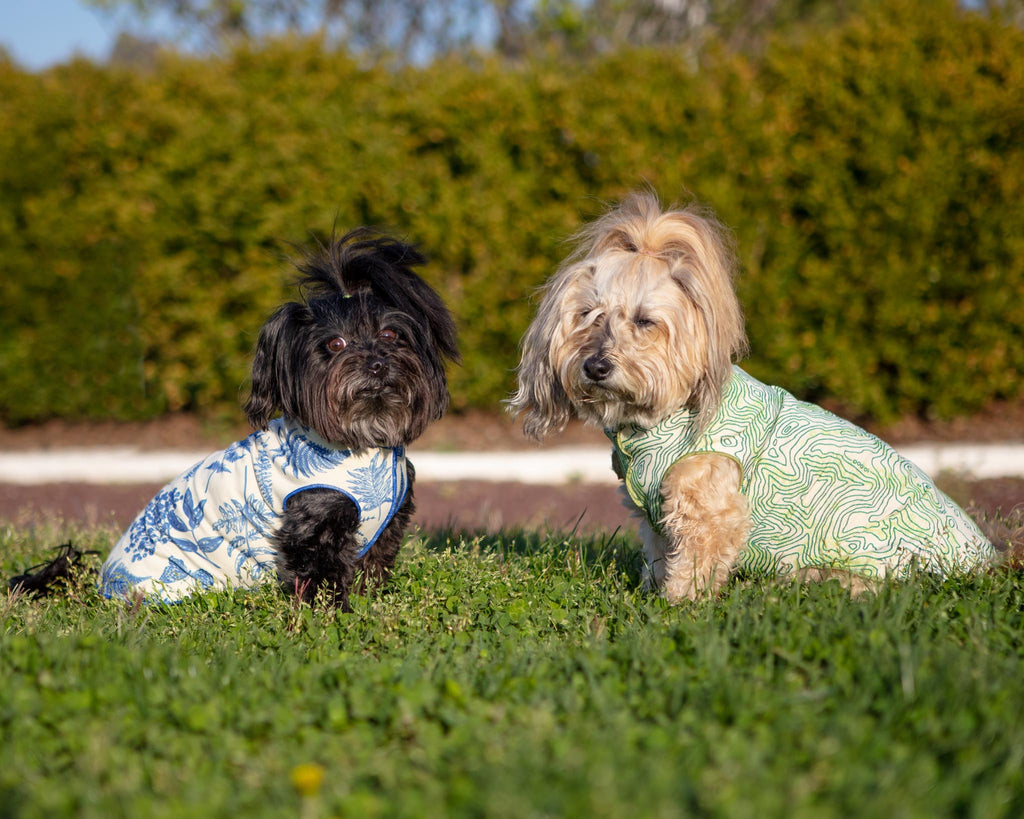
513, 676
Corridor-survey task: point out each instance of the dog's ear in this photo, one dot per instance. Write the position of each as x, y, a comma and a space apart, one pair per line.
540, 398
419, 298
274, 365
702, 262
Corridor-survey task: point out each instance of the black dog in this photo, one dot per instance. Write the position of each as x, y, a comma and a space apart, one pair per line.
382, 388
323, 492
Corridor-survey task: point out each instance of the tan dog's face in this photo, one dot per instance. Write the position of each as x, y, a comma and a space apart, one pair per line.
645, 322
629, 345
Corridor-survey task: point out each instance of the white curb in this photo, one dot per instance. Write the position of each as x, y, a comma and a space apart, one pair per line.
592, 465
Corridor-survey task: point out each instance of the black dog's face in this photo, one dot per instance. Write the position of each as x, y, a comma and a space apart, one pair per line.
361, 362
380, 379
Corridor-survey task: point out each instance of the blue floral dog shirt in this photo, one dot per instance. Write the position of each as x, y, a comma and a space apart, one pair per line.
821, 491
210, 528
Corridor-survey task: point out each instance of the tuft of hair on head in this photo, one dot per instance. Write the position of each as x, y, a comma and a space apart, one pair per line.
348, 264
624, 226
367, 261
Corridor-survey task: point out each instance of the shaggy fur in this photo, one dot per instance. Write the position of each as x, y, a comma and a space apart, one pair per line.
360, 360
380, 385
641, 282
641, 321
40, 580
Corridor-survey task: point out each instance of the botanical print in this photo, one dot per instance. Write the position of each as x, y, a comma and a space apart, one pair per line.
212, 527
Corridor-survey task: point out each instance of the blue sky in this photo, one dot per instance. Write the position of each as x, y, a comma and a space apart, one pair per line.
40, 33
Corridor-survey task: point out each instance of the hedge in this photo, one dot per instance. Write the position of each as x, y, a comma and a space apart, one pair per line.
873, 174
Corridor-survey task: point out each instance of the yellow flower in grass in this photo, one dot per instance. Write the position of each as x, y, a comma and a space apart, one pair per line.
307, 778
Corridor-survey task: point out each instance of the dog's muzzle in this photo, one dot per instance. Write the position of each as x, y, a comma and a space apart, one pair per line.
377, 366
597, 368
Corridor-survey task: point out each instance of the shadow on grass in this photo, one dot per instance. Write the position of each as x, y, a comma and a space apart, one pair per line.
617, 549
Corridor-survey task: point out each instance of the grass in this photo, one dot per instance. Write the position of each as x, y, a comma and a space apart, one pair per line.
515, 675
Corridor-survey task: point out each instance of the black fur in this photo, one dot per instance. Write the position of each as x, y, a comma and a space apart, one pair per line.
377, 391
316, 549
380, 387
41, 580
374, 392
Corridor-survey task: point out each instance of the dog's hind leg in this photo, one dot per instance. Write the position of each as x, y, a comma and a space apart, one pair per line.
705, 521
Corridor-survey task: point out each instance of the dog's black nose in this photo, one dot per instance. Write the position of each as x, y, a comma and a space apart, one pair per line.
377, 366
597, 367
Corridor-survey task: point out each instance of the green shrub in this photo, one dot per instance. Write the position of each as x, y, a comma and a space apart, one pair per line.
873, 175
899, 287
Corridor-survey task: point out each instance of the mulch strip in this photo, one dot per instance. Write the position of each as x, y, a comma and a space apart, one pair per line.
459, 505
464, 505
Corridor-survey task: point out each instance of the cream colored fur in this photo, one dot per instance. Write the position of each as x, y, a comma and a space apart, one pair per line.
705, 523
647, 296
650, 291
641, 320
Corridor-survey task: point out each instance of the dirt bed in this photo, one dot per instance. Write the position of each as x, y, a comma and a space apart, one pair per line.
462, 505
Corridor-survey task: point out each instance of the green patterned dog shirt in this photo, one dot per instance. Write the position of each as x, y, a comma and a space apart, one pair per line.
822, 493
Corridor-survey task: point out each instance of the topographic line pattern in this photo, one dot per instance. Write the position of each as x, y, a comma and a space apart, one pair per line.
822, 492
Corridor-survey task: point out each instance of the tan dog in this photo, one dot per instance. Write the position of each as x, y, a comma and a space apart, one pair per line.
637, 332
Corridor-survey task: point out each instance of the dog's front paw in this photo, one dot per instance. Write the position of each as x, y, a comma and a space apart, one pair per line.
679, 589
316, 546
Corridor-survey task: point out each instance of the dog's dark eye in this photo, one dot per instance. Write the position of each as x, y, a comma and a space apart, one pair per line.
337, 344
388, 335
643, 323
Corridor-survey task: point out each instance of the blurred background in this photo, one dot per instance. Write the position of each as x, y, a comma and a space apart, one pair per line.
159, 159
